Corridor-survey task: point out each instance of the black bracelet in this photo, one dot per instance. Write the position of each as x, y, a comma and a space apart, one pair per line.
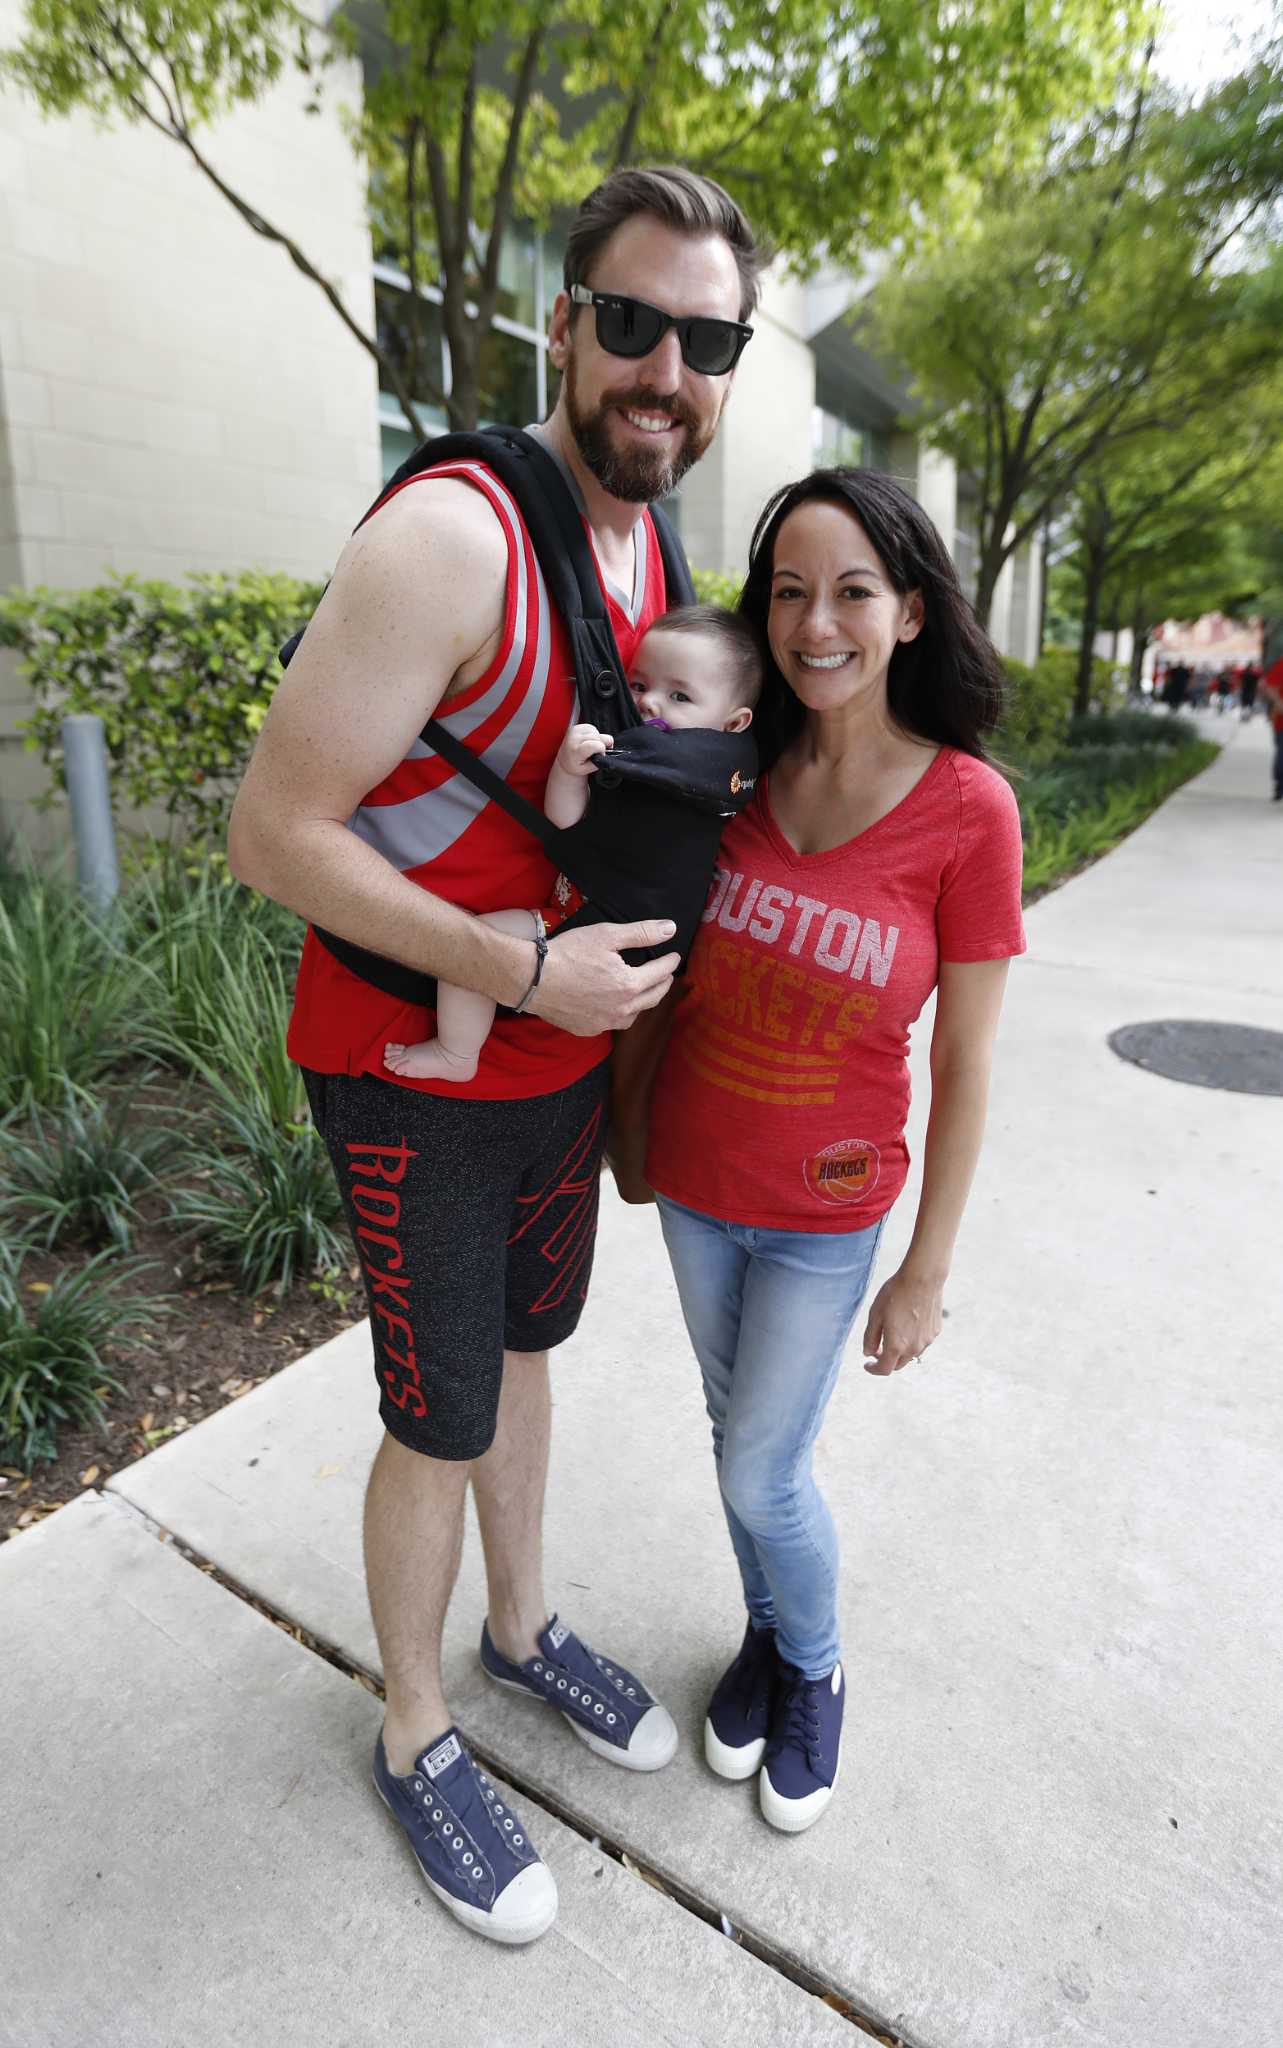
541, 954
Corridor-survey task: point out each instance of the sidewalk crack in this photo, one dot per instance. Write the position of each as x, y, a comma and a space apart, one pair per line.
871, 2025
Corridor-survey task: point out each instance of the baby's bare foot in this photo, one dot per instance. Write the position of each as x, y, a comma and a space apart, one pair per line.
430, 1061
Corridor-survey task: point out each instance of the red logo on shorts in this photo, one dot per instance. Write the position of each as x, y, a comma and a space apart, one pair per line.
843, 1172
377, 1171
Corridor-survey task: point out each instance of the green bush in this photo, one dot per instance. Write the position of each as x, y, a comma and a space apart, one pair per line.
75, 1176
69, 1001
52, 1368
181, 677
1130, 729
261, 1199
713, 586
1040, 701
1080, 805
201, 940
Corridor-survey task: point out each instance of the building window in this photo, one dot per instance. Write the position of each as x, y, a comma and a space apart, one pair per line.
838, 443
513, 366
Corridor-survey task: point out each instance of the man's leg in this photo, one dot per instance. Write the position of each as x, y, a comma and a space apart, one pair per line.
413, 1537
508, 1486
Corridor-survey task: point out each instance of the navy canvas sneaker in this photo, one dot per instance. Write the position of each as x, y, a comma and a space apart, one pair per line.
606, 1706
801, 1763
739, 1713
472, 1848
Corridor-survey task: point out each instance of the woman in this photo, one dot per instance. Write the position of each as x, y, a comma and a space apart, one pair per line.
879, 859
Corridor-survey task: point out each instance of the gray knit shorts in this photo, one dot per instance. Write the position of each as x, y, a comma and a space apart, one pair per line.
474, 1223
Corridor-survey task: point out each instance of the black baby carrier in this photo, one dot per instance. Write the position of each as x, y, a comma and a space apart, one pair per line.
647, 843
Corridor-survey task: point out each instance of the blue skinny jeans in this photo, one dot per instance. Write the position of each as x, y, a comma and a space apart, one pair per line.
769, 1313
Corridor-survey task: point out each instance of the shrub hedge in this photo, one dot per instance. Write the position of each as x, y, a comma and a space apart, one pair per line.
182, 677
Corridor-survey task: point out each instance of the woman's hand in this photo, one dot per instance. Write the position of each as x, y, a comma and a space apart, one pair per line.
907, 1315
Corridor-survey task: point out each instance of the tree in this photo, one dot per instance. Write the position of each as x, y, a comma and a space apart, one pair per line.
1112, 297
835, 132
1154, 530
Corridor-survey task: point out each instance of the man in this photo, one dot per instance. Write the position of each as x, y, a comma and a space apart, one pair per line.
474, 1207
1273, 686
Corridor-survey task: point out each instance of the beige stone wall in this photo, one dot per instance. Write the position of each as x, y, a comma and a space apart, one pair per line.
174, 395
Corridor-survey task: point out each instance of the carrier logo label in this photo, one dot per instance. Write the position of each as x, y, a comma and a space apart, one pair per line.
440, 1758
844, 1172
739, 782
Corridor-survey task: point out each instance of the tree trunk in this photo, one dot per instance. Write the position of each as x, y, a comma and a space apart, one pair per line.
992, 561
1043, 579
1092, 582
1140, 641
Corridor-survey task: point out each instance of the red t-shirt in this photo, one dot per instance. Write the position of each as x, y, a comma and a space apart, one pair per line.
437, 828
783, 1095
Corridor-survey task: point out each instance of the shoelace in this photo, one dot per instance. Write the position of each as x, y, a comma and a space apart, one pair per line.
799, 1719
753, 1680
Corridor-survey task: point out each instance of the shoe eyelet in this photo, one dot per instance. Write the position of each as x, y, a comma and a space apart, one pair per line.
518, 1842
467, 1861
478, 1876
427, 1799
418, 1784
436, 1815
574, 1692
611, 1719
598, 1708
561, 1685
508, 1825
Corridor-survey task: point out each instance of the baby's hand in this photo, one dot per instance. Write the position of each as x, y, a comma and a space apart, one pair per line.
580, 748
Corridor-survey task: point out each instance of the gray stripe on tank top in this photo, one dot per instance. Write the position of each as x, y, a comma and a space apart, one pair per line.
422, 827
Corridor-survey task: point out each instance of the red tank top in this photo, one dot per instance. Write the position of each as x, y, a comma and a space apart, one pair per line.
438, 829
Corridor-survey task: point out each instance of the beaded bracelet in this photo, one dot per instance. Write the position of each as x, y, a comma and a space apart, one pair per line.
541, 954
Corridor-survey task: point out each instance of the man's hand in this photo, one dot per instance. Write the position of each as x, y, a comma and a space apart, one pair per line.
586, 987
906, 1316
580, 748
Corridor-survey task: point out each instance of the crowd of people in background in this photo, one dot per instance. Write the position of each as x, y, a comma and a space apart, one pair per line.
1180, 687
1240, 685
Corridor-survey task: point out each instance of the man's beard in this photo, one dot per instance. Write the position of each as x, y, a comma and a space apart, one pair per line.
637, 475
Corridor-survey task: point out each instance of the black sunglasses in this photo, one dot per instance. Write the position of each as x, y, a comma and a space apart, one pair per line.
629, 327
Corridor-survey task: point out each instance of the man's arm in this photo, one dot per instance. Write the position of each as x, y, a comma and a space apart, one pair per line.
416, 601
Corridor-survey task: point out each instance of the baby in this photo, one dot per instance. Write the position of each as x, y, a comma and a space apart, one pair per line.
698, 667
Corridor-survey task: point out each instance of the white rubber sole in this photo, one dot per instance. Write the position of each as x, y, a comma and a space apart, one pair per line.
731, 1763
528, 1904
657, 1747
790, 1816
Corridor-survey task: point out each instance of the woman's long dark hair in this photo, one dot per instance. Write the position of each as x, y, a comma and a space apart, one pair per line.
946, 685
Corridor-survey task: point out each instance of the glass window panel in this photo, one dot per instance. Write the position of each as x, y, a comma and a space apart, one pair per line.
409, 330
554, 264
507, 388
517, 277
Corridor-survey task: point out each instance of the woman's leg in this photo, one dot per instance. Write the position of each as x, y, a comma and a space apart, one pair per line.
464, 1018
800, 1296
709, 1266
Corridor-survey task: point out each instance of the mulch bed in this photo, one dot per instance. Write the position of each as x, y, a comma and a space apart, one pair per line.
211, 1347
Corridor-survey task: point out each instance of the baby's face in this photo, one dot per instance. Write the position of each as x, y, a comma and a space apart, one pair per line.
684, 680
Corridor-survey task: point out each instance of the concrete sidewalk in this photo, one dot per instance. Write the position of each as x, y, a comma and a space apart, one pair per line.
1059, 1819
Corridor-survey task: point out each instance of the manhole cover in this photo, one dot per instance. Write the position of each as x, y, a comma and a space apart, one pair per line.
1237, 1057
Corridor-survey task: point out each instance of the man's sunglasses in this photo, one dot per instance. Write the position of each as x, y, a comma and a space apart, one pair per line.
629, 327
